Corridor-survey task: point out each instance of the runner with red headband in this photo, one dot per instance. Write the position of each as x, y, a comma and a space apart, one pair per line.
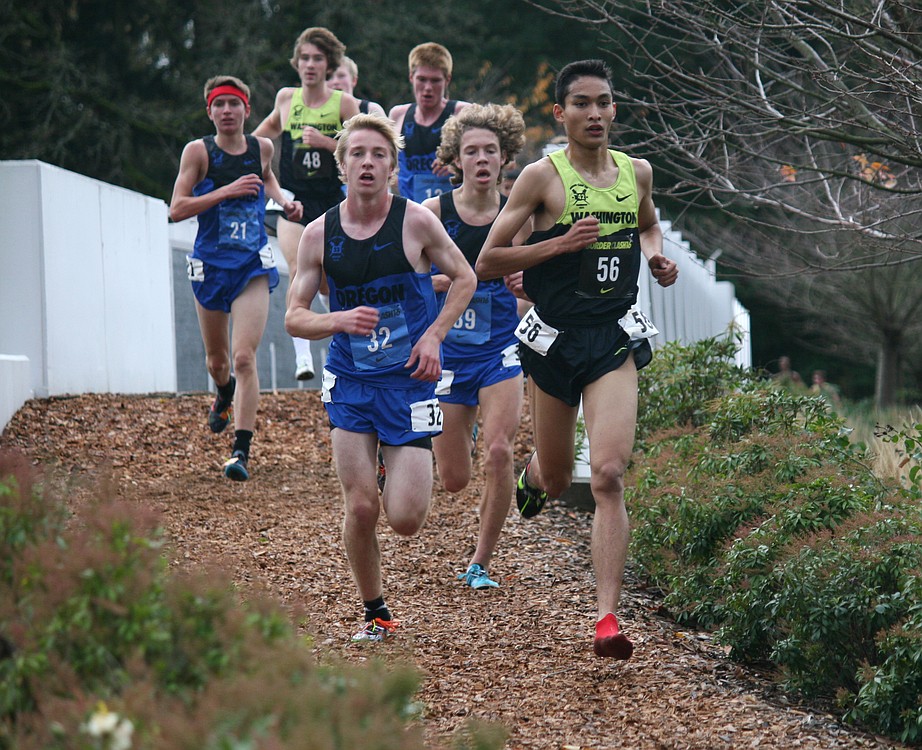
224, 180
229, 90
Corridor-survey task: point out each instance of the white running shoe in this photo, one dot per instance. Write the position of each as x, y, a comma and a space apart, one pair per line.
304, 367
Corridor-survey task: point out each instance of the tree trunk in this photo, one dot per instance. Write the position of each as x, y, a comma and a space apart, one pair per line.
888, 368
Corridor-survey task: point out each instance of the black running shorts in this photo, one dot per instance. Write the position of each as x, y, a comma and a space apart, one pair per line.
581, 355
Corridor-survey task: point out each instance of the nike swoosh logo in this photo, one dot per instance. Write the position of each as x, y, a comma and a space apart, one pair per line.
605, 291
376, 247
620, 198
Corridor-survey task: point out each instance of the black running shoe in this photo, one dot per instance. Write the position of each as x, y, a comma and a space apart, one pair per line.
236, 467
220, 414
528, 500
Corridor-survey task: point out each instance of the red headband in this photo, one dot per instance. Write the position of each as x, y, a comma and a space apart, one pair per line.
228, 89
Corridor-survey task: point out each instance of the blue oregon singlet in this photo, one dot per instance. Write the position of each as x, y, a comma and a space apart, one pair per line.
230, 232
414, 178
487, 326
599, 282
375, 272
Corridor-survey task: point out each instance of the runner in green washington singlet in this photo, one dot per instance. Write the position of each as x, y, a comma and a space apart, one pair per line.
310, 173
599, 281
585, 293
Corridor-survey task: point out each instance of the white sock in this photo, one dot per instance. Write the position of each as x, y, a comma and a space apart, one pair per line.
302, 349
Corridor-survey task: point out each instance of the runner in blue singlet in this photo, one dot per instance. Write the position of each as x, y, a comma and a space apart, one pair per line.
420, 122
481, 363
224, 180
377, 249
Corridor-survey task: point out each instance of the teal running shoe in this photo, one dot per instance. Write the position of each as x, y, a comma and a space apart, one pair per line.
476, 577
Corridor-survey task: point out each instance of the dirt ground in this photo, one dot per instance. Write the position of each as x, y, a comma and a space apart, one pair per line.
520, 655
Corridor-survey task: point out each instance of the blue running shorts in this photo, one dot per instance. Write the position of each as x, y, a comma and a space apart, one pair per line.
399, 416
462, 379
216, 288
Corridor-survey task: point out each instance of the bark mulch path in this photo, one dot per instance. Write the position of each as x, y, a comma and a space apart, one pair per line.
520, 655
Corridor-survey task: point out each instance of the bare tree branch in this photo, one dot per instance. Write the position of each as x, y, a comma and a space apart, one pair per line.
798, 121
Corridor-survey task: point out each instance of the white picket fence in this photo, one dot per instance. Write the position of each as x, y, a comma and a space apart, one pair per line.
87, 290
697, 306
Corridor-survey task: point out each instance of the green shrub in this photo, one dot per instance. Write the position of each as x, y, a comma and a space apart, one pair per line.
890, 697
758, 518
677, 385
837, 592
103, 647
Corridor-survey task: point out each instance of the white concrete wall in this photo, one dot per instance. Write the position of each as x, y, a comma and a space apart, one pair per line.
14, 386
86, 289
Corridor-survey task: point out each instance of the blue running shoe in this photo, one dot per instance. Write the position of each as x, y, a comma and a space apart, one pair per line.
476, 577
529, 500
236, 467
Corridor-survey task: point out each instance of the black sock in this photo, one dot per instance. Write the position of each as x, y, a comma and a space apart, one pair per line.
376, 609
226, 391
242, 440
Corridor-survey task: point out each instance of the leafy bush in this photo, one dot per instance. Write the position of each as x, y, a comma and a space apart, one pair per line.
103, 648
681, 380
758, 518
889, 697
837, 592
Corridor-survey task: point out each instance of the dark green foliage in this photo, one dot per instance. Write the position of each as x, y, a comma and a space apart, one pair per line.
889, 696
113, 90
93, 623
680, 381
837, 592
761, 521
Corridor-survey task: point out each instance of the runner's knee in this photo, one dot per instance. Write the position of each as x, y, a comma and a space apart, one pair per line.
407, 521
455, 479
498, 457
557, 483
245, 362
607, 478
363, 511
